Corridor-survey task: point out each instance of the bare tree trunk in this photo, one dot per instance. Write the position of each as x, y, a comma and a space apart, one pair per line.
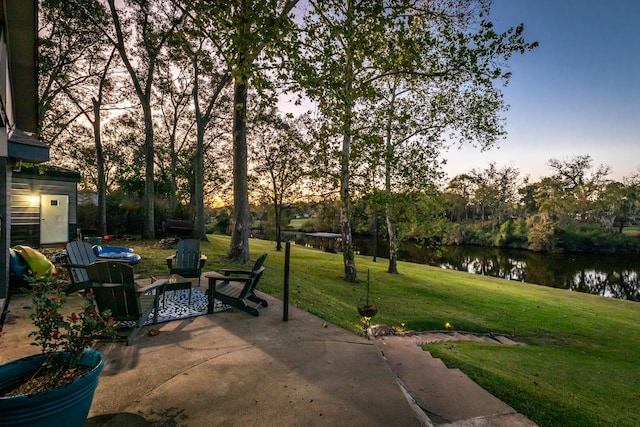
173, 166
393, 241
199, 231
391, 228
348, 257
375, 236
149, 188
144, 95
278, 212
100, 179
239, 249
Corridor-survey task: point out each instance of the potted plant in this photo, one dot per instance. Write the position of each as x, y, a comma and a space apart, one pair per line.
56, 386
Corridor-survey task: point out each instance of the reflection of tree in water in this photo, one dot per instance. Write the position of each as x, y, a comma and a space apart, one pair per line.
486, 261
617, 284
626, 285
588, 282
607, 275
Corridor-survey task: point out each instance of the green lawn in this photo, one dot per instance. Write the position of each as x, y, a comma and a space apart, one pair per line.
299, 223
579, 367
631, 231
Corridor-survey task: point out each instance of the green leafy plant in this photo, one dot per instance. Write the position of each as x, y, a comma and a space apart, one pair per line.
62, 337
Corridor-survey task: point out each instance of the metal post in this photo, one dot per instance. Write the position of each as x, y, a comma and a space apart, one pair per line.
287, 256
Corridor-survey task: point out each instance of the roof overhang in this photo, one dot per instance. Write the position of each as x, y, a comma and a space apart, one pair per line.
23, 146
20, 21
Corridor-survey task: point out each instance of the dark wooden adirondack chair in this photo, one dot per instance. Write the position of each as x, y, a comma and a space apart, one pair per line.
114, 289
80, 255
188, 261
237, 288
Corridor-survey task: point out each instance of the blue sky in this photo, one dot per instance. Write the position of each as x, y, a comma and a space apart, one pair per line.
577, 93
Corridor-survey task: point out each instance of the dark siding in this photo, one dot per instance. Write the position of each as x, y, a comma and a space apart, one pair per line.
28, 235
24, 211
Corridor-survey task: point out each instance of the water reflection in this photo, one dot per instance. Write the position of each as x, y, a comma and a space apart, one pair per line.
614, 276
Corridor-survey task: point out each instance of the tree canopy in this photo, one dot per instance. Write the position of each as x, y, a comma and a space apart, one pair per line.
391, 82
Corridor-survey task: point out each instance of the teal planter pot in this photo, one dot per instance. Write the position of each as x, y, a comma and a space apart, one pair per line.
63, 406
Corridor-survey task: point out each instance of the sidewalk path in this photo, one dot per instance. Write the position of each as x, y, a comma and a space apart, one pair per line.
447, 396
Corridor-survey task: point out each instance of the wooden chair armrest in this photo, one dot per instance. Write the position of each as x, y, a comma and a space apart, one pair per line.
151, 286
230, 272
217, 277
203, 259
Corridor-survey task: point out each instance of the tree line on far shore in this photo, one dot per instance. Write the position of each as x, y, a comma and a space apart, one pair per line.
576, 208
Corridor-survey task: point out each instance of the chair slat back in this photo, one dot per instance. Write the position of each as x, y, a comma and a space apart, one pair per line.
80, 253
188, 254
259, 262
110, 272
114, 289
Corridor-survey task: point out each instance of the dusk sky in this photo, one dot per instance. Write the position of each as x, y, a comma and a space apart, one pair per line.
578, 93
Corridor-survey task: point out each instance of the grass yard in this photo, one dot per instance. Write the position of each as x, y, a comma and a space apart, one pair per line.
299, 223
580, 367
632, 231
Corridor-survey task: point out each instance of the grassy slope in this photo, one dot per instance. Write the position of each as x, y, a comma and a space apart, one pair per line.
579, 367
632, 231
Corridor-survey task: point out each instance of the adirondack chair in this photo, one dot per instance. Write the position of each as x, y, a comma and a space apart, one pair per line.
114, 289
255, 267
237, 288
80, 255
187, 261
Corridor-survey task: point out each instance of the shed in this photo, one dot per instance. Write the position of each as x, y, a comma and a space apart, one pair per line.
44, 204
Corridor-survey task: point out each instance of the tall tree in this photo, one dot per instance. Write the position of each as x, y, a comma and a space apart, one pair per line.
447, 60
495, 190
243, 32
278, 157
140, 33
577, 184
94, 116
211, 76
341, 39
410, 150
439, 58
67, 52
203, 118
75, 65
175, 86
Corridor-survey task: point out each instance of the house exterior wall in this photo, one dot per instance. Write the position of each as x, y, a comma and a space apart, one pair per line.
5, 228
18, 107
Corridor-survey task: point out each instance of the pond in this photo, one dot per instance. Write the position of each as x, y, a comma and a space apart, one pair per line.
616, 276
